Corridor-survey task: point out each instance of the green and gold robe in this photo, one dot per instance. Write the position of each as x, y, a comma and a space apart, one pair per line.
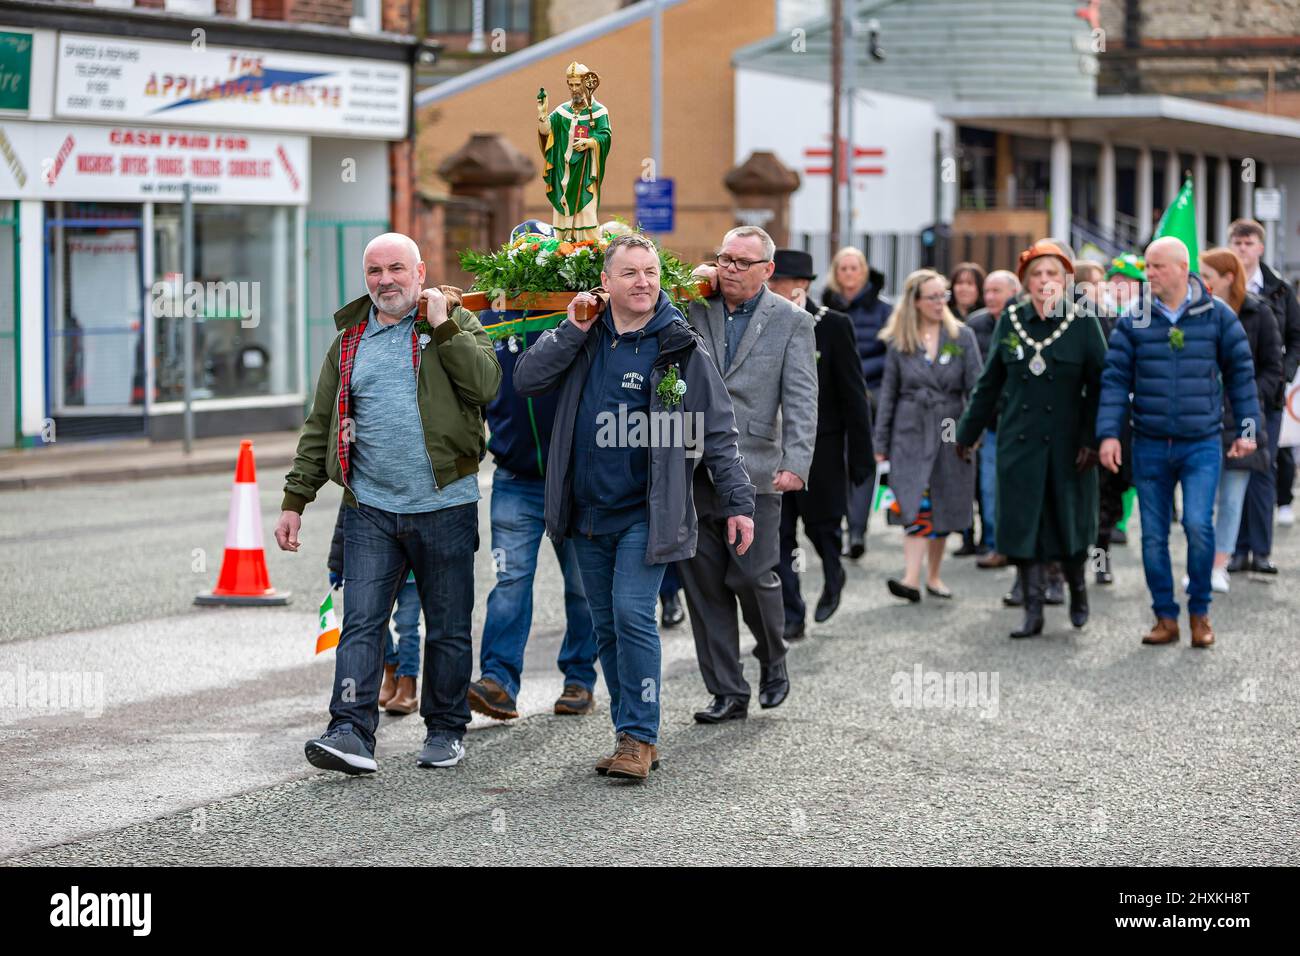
573, 178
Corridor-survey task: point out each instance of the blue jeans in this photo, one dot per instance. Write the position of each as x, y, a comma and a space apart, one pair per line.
988, 488
622, 591
405, 651
378, 548
518, 523
1227, 512
1158, 465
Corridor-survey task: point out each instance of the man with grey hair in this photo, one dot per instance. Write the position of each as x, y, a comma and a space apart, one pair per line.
1171, 360
1000, 287
397, 420
763, 346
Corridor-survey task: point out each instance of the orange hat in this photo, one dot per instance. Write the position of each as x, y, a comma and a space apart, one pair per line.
1043, 247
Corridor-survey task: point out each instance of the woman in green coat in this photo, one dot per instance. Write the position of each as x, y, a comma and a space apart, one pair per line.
1044, 372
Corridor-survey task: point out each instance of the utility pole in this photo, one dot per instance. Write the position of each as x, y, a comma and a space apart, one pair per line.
837, 81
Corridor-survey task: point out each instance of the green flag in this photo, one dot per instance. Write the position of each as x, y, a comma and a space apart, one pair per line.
1179, 221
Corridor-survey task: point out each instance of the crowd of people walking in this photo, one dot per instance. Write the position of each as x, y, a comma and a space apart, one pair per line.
1041, 401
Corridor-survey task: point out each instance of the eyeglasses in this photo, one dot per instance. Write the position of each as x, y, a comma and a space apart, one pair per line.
740, 265
937, 297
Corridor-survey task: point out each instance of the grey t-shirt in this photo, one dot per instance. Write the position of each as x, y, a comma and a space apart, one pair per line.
389, 464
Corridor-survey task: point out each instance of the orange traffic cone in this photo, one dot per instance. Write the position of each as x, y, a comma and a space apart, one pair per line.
243, 577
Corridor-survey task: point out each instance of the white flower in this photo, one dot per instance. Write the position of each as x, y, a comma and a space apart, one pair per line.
582, 251
424, 340
512, 253
679, 388
541, 258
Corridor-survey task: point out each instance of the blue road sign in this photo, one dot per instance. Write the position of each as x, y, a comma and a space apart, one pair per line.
654, 204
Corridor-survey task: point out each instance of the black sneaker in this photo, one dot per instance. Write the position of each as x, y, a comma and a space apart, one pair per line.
441, 749
341, 750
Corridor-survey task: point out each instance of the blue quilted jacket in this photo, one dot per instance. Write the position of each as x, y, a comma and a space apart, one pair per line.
1178, 392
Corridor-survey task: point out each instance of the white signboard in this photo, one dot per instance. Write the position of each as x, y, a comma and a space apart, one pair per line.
1268, 204
59, 161
119, 80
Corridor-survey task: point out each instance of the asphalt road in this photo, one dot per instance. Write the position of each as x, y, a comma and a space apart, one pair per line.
1083, 747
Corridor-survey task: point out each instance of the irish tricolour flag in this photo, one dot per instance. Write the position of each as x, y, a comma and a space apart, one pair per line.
329, 625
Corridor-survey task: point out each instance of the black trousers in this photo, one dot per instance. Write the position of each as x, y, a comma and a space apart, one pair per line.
716, 579
825, 538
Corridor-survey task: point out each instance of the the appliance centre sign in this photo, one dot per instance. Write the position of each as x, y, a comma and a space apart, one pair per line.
113, 80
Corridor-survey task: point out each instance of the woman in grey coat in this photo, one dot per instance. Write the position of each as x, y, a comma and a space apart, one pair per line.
932, 363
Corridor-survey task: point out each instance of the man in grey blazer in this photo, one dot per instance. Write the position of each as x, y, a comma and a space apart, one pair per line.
764, 347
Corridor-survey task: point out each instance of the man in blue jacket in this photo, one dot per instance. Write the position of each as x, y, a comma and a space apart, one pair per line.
520, 430
1171, 358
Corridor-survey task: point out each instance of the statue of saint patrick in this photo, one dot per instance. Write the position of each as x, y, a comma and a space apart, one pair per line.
574, 139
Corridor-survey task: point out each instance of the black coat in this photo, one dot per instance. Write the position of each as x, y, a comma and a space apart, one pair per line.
1266, 348
843, 423
981, 322
1282, 300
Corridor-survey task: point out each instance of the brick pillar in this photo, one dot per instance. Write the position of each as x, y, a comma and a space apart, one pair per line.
490, 169
401, 181
760, 188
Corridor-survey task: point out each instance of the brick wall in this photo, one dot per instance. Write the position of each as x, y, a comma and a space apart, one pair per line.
1207, 49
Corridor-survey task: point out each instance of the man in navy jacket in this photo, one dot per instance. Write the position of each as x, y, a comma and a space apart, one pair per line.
1171, 358
520, 430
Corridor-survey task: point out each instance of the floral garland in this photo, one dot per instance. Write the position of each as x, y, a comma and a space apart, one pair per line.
534, 263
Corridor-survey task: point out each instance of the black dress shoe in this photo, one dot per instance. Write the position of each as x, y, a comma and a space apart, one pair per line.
899, 589
1263, 565
723, 708
1118, 537
673, 612
967, 548
1105, 577
1237, 563
794, 632
935, 592
827, 605
857, 546
773, 685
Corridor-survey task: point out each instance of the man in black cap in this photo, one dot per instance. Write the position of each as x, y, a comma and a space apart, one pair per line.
841, 417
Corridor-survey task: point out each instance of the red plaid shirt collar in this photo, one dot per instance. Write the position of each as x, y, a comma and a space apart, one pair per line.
347, 358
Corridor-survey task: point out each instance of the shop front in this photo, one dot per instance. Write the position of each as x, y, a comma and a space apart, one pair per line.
96, 170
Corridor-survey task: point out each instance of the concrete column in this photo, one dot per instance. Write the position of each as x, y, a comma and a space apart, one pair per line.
1173, 177
1145, 203
1060, 181
1246, 210
1106, 188
1198, 197
1222, 199
1269, 181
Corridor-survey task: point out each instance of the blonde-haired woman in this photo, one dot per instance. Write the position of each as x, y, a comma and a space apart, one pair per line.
932, 362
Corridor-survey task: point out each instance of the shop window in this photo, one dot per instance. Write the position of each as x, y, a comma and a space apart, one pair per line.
242, 296
457, 16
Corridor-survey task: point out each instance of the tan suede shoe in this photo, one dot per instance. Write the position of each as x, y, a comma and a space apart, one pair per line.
633, 759
389, 686
1165, 631
405, 701
1202, 630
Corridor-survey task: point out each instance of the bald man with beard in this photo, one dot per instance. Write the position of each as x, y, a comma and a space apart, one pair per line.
397, 420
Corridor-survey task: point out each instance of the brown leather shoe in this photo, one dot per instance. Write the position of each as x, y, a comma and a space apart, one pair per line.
489, 698
1165, 631
389, 686
992, 560
1202, 630
405, 700
576, 699
633, 759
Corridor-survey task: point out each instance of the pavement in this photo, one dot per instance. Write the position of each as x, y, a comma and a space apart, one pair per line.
131, 459
183, 741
